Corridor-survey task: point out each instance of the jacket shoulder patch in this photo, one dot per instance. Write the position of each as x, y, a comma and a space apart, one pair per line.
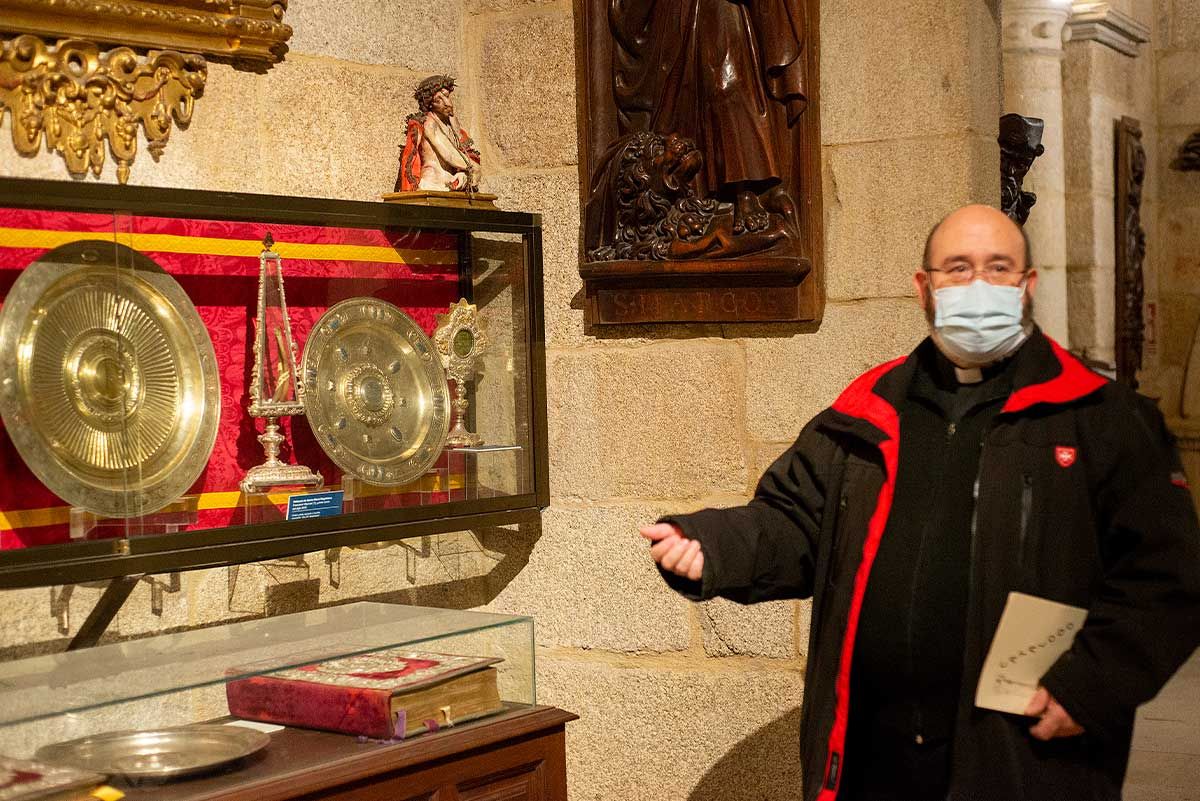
1064, 455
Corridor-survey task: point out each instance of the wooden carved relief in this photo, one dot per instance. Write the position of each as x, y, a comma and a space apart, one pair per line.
1020, 143
1130, 249
699, 160
1188, 157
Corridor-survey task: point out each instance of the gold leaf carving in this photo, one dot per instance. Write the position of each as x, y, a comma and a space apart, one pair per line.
248, 32
76, 98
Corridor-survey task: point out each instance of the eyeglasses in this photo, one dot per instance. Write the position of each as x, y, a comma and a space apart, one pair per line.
996, 273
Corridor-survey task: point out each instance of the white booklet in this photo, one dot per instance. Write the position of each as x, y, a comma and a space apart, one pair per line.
1033, 633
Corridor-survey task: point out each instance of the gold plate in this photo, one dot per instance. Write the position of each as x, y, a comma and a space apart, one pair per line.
113, 399
375, 392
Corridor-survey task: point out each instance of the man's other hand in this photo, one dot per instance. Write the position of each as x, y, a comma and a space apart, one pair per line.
673, 551
1055, 721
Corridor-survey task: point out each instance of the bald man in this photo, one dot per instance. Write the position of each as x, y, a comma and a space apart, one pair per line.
987, 461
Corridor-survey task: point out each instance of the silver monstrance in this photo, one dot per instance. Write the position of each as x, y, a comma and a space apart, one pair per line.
461, 339
274, 391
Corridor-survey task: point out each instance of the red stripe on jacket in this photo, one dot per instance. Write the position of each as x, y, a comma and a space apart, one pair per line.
1074, 382
859, 400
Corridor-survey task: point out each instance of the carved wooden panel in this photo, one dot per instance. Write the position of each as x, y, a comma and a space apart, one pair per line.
1130, 249
523, 783
700, 164
1188, 157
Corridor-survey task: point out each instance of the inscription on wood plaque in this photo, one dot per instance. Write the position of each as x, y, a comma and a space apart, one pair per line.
679, 304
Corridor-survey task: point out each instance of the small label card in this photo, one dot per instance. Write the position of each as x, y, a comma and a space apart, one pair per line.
1033, 633
314, 504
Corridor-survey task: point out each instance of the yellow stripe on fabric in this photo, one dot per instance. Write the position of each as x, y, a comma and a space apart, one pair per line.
428, 483
34, 518
208, 501
213, 246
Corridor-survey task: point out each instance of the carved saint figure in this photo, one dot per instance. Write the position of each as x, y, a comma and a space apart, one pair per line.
438, 153
730, 76
655, 213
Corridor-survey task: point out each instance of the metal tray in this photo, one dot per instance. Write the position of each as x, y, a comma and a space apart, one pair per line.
158, 753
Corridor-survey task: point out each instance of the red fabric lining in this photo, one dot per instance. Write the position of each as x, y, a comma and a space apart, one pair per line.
1074, 382
225, 290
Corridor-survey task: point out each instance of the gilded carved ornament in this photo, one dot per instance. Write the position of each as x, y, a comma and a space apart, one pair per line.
251, 33
61, 87
77, 98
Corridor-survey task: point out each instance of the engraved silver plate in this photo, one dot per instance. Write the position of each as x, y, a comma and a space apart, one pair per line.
112, 394
375, 392
160, 753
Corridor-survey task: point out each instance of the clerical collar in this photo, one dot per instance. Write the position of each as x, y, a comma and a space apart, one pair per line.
947, 376
968, 375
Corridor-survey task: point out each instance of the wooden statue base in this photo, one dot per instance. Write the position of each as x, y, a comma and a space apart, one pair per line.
430, 197
766, 289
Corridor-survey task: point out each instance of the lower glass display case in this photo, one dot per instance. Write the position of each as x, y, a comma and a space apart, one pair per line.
221, 711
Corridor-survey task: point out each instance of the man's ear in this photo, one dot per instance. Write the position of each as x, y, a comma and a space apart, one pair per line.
1031, 279
921, 284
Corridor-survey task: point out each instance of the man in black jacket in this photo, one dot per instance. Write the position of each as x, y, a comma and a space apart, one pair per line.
987, 461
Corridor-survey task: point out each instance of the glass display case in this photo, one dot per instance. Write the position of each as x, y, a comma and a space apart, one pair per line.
196, 378
154, 715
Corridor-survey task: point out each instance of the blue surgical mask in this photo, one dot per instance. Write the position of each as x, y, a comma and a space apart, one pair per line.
977, 324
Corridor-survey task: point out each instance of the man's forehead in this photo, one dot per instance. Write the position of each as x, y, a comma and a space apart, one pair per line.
989, 254
977, 233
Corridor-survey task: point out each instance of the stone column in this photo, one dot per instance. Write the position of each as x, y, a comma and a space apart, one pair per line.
1104, 79
1032, 41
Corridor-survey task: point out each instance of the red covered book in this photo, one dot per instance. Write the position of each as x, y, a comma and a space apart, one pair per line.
389, 694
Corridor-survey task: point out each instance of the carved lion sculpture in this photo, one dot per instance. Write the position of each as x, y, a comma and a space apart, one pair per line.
649, 209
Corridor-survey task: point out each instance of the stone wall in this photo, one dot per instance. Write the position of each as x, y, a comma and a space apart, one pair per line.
1177, 238
677, 701
1176, 241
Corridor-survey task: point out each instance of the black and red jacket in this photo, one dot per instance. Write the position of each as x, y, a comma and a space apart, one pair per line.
1079, 499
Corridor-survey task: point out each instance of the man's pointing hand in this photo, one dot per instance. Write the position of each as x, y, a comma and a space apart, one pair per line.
673, 551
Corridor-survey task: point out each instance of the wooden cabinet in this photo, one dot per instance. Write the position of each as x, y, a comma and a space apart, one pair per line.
517, 756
